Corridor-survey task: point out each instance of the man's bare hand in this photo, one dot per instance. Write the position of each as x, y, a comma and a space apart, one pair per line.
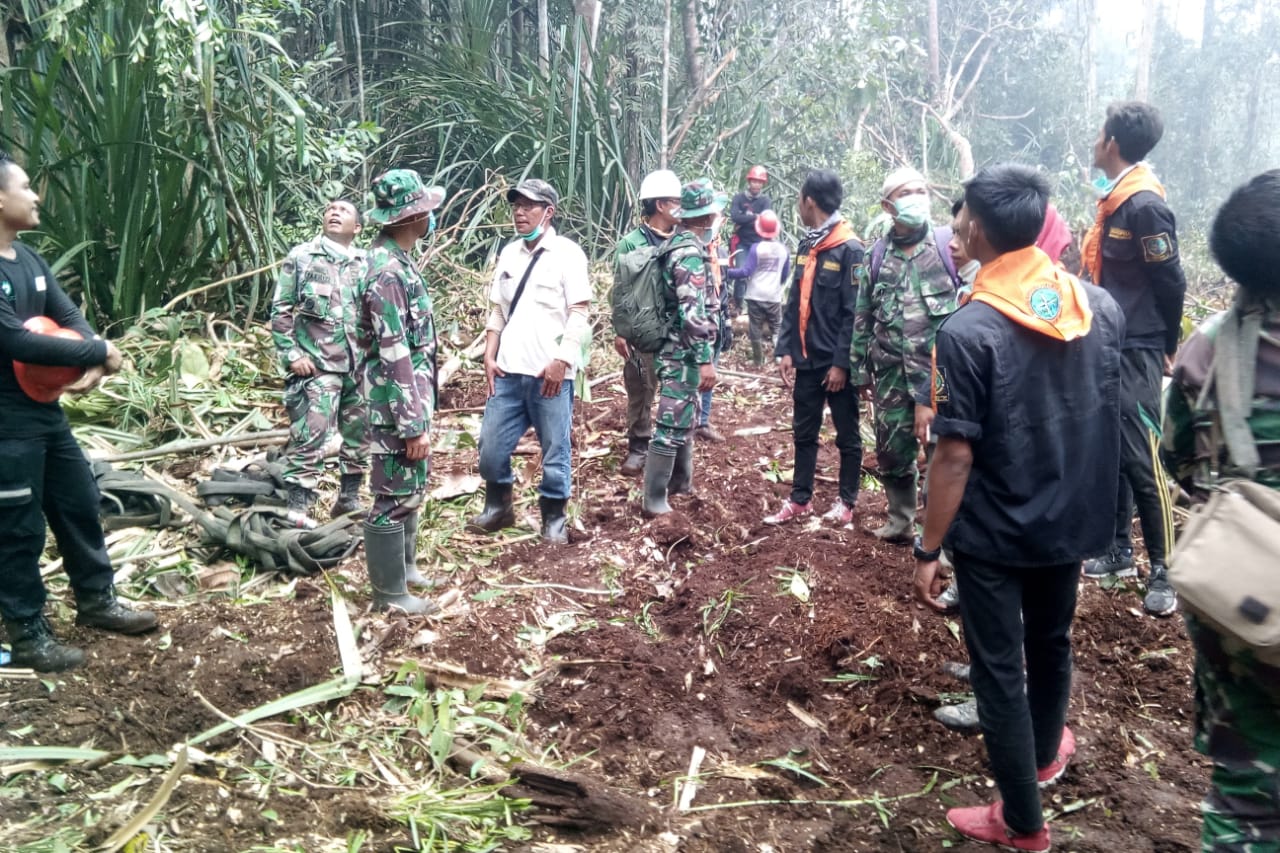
92, 376
928, 585
418, 447
621, 347
552, 377
868, 393
835, 379
115, 359
303, 366
924, 419
491, 372
787, 371
706, 376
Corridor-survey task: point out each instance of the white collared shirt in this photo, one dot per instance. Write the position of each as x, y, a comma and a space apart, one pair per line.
532, 337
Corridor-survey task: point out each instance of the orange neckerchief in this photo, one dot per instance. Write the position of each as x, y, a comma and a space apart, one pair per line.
840, 233
1139, 178
1027, 288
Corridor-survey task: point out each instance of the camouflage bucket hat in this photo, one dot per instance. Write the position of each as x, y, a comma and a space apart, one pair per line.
400, 194
700, 198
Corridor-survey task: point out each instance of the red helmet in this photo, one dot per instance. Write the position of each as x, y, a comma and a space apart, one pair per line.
42, 382
767, 224
758, 173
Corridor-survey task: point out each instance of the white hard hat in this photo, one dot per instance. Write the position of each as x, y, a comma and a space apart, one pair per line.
660, 184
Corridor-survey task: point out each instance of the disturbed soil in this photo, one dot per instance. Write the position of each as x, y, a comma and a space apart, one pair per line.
794, 657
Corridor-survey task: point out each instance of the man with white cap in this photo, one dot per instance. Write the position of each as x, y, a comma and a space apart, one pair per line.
537, 329
908, 288
659, 204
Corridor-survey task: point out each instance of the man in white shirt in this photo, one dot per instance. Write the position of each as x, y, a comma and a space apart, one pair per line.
537, 329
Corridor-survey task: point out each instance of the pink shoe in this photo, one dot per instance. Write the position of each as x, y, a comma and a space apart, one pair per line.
1066, 749
986, 823
789, 511
840, 513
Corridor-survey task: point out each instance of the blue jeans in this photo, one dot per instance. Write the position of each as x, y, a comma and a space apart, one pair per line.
517, 404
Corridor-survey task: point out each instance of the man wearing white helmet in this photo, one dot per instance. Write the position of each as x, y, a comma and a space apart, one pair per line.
659, 201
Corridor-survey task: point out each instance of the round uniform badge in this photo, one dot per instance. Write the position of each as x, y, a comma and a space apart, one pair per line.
1045, 303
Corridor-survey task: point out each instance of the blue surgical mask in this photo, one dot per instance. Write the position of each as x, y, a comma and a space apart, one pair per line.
537, 230
1102, 185
912, 210
431, 224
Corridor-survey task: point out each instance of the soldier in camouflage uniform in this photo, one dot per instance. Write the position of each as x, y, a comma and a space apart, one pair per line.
396, 337
312, 318
899, 309
1237, 695
685, 365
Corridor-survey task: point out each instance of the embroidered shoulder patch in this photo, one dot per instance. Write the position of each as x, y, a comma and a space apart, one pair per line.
802, 260
940, 390
1119, 233
1158, 247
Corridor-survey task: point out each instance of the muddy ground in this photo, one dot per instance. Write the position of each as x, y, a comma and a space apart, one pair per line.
793, 656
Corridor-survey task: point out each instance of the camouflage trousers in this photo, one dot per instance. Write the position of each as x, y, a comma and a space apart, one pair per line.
319, 406
398, 485
895, 416
678, 403
1238, 726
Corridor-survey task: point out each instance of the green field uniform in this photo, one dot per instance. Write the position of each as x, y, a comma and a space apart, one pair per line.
694, 306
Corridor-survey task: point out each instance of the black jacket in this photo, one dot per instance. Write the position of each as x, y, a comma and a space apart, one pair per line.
835, 290
743, 211
1142, 270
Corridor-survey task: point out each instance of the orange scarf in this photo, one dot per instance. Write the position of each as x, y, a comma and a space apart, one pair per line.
839, 234
1137, 179
1026, 287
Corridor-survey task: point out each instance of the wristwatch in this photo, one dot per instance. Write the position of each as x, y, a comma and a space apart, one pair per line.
921, 554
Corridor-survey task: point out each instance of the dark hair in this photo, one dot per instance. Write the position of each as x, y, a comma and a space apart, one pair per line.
1243, 235
1009, 200
354, 206
824, 187
5, 162
955, 207
648, 207
1135, 126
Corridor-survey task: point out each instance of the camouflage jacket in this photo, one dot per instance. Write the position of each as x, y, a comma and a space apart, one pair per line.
396, 339
896, 317
1191, 442
312, 312
689, 292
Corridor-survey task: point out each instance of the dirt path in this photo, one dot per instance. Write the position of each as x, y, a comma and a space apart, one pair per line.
793, 657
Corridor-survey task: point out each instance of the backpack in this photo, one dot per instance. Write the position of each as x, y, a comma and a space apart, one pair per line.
941, 237
637, 301
1223, 565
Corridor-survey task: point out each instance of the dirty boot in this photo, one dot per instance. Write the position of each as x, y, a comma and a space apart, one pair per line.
901, 492
34, 646
100, 608
301, 499
412, 576
657, 478
499, 510
959, 718
682, 471
757, 353
348, 495
637, 450
384, 552
553, 520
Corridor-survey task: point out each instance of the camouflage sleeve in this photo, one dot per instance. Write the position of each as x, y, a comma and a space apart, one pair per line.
387, 303
1178, 438
697, 306
860, 344
282, 305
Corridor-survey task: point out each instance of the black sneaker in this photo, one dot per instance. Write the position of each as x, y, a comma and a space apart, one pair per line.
1161, 600
1117, 562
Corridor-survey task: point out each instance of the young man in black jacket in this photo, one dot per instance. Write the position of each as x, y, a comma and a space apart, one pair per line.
43, 472
1132, 253
813, 347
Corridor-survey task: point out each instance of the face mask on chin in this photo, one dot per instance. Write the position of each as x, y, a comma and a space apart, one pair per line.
1102, 186
537, 230
912, 211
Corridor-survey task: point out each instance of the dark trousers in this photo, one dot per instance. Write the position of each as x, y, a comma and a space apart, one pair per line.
43, 478
1142, 478
806, 422
640, 378
1008, 614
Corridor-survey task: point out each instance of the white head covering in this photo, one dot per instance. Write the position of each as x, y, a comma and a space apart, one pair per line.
900, 178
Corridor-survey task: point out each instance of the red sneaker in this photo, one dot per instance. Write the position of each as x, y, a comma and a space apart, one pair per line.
1066, 749
840, 513
986, 823
789, 511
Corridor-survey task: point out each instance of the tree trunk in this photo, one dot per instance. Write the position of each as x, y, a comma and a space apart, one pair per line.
1146, 47
544, 38
692, 46
935, 61
666, 87
589, 11
1090, 58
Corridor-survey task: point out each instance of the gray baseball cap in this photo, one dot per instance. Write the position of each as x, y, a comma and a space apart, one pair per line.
535, 190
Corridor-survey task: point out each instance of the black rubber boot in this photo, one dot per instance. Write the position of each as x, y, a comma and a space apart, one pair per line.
657, 478
499, 510
553, 520
637, 450
757, 353
412, 576
34, 646
301, 499
384, 556
348, 495
682, 471
101, 609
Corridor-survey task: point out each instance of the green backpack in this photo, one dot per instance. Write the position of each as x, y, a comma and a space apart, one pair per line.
639, 307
